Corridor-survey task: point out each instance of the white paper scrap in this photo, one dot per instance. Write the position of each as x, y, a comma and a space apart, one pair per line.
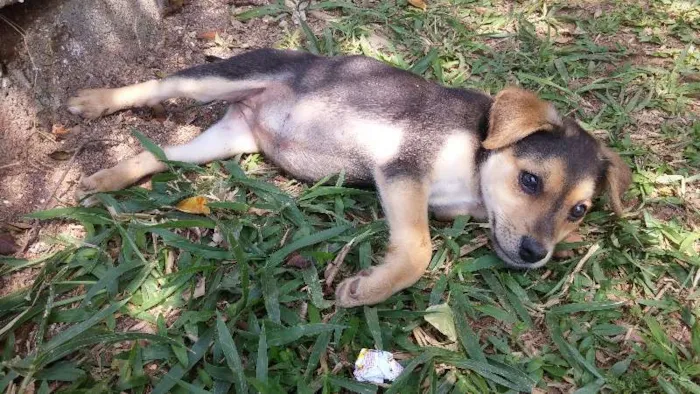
376, 366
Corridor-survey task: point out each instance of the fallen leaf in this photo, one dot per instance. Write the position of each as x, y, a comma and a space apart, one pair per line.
7, 244
298, 261
332, 268
172, 7
169, 262
418, 4
59, 130
200, 289
259, 211
474, 245
217, 238
159, 112
60, 155
207, 35
598, 12
16, 226
442, 319
197, 205
561, 39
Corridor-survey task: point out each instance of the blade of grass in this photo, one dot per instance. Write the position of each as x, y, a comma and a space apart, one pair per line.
271, 296
373, 325
261, 366
233, 359
467, 336
78, 329
276, 258
283, 336
177, 372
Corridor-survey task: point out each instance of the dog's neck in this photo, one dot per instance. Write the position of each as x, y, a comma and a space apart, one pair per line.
455, 188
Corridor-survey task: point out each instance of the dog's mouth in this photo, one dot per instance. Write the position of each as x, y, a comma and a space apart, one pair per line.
512, 261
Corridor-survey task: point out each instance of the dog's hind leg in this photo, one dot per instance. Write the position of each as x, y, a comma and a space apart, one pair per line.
93, 103
405, 204
230, 136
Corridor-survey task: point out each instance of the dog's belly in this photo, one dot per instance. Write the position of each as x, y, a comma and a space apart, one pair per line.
312, 138
453, 197
310, 158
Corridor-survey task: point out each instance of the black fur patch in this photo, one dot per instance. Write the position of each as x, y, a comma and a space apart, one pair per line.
578, 149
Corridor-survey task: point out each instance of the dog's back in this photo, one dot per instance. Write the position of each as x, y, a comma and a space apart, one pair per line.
320, 115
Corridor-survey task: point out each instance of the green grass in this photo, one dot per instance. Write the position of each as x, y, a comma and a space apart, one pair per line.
156, 300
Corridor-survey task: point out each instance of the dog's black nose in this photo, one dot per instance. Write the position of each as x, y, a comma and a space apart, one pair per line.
531, 251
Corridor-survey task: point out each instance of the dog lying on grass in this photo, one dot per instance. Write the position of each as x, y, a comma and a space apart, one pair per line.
511, 160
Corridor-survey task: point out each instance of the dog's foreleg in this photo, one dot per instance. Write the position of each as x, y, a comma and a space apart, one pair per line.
230, 136
93, 103
405, 204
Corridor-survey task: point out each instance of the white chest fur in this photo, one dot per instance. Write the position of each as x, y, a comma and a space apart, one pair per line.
455, 187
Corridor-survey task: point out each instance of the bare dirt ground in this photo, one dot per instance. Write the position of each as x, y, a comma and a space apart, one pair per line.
51, 49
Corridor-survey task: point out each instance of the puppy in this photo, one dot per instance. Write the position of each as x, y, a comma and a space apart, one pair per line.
511, 160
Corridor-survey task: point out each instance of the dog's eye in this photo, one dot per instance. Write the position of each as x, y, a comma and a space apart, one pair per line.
530, 183
577, 211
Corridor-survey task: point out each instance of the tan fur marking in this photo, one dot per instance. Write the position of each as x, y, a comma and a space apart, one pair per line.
583, 191
405, 205
515, 114
526, 210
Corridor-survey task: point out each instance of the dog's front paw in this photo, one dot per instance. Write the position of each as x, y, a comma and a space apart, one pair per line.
102, 181
93, 103
365, 288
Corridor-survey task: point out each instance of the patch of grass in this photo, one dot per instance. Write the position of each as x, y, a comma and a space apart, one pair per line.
153, 299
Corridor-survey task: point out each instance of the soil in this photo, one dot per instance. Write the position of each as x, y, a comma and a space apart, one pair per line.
51, 49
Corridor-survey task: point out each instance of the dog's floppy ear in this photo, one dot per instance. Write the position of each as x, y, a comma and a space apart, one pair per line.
618, 178
515, 114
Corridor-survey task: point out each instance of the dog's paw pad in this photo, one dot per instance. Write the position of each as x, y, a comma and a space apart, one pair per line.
346, 294
359, 290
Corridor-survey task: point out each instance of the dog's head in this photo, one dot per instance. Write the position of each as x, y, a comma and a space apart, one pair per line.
540, 176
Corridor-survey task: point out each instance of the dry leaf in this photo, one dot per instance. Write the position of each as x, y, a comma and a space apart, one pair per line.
418, 4
207, 35
217, 238
197, 205
172, 7
16, 226
58, 130
7, 244
474, 245
441, 317
298, 261
259, 211
60, 155
158, 112
561, 39
200, 289
332, 268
